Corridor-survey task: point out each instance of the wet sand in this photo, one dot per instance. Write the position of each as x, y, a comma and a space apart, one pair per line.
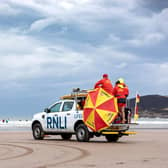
147, 149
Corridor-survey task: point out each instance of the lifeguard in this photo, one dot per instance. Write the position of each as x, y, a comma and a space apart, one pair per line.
105, 83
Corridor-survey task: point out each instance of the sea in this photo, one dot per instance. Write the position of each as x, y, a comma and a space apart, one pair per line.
15, 125
141, 123
150, 123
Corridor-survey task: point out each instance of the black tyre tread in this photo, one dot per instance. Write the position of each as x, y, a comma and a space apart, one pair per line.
112, 138
66, 136
86, 136
41, 136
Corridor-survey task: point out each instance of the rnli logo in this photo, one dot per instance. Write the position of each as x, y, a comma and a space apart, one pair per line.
57, 122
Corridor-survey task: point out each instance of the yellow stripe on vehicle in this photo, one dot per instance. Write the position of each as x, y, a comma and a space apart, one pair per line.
129, 133
110, 132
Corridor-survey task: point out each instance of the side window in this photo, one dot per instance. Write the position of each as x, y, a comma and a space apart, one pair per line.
67, 106
55, 108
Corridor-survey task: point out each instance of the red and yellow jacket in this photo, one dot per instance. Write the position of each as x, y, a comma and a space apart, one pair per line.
120, 91
105, 83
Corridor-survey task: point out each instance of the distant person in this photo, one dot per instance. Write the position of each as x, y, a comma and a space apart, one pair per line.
121, 92
105, 83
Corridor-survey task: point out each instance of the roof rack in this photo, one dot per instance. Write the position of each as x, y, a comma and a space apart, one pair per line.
76, 93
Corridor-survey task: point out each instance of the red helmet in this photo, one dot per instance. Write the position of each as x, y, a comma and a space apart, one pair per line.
105, 75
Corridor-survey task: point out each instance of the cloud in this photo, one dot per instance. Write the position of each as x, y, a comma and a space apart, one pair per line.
6, 10
152, 30
23, 57
51, 46
42, 24
96, 36
155, 5
146, 40
161, 21
147, 78
148, 31
91, 13
98, 18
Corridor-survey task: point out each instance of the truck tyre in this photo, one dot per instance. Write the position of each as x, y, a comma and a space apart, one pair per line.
66, 136
82, 133
112, 138
38, 132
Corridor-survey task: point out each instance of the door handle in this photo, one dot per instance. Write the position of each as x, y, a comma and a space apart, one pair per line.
68, 113
55, 114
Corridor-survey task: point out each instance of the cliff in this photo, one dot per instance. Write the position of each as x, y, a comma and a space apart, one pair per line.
151, 106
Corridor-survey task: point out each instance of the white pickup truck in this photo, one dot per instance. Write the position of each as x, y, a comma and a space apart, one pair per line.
65, 119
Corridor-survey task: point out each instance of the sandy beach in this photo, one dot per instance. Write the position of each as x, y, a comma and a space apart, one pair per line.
147, 149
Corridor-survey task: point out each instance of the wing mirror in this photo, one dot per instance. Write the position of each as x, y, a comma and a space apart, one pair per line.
46, 110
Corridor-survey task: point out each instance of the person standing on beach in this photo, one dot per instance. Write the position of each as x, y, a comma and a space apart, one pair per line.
105, 83
121, 92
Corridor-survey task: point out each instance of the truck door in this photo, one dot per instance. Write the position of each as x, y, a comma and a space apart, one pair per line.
67, 113
53, 118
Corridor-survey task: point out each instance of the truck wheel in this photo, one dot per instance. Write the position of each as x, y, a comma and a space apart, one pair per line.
38, 132
66, 136
112, 138
82, 133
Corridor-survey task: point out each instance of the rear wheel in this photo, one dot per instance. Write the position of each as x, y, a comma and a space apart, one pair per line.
66, 136
82, 133
38, 132
112, 138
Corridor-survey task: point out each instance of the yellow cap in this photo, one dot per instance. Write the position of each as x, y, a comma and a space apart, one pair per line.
121, 80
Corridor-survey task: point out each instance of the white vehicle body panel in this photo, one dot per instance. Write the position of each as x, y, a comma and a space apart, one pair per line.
59, 120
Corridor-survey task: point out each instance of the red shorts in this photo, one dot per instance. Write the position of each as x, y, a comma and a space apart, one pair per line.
121, 104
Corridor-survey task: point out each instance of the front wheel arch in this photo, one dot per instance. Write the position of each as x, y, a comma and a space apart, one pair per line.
77, 124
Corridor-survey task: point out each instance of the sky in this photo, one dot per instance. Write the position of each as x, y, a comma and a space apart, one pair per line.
49, 47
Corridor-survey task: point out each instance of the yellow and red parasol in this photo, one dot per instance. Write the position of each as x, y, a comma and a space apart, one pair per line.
100, 109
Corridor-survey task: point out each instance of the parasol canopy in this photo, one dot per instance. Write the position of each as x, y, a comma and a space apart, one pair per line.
100, 109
